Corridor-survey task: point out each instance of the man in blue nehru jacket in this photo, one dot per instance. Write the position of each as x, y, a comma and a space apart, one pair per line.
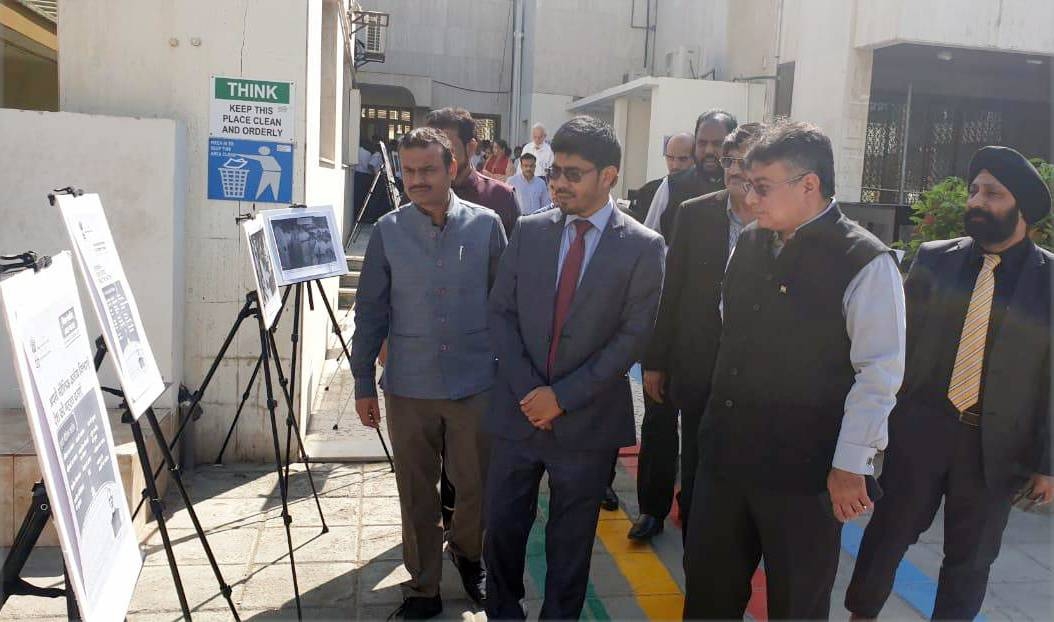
425, 277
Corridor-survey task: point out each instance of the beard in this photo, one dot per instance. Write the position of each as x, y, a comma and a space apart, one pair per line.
987, 228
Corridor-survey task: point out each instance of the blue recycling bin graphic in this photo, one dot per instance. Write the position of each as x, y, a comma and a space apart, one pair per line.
250, 170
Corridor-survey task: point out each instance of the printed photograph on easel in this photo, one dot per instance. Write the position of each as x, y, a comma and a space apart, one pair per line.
263, 269
71, 432
305, 242
111, 296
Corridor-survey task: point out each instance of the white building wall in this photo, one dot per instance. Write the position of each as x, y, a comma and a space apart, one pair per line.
584, 46
1009, 25
134, 58
465, 43
549, 110
832, 87
702, 25
676, 104
138, 168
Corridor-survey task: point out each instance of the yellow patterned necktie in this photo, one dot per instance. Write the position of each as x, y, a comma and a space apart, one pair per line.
965, 388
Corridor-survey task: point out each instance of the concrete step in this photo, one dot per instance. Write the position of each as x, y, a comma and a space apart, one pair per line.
19, 468
349, 280
346, 297
354, 262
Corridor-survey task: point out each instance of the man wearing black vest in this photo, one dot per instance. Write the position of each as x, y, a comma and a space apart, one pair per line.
973, 421
705, 177
680, 356
679, 154
810, 360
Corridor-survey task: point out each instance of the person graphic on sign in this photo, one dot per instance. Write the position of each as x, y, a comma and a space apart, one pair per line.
271, 175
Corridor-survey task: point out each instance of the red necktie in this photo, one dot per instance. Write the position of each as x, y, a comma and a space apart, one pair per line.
565, 290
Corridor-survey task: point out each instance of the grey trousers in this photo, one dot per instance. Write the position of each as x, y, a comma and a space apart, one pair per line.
419, 429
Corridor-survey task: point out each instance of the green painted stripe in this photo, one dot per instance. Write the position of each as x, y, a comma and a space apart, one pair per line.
594, 607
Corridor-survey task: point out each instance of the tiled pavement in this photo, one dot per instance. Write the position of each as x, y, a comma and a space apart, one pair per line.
353, 571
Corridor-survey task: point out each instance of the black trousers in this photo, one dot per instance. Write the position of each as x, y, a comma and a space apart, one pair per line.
657, 460
689, 464
734, 525
577, 479
932, 457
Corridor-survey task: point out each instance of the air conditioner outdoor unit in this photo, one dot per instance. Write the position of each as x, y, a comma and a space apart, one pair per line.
682, 62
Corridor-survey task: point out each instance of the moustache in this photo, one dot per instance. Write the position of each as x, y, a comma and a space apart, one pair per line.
979, 214
419, 188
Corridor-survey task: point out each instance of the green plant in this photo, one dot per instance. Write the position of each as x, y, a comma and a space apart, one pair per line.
938, 214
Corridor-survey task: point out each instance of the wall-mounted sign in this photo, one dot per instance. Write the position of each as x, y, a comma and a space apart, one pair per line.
251, 109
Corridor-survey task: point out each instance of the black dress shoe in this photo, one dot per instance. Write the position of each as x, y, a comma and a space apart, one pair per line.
610, 502
418, 608
473, 577
645, 528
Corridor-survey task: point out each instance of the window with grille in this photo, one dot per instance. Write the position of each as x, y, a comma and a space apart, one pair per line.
487, 126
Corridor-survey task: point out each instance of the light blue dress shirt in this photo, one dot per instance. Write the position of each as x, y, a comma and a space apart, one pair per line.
532, 196
599, 219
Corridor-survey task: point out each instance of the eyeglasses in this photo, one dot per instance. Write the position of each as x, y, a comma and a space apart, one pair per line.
727, 161
678, 159
763, 191
572, 175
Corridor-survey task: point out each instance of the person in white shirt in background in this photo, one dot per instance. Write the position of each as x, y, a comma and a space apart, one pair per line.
540, 149
532, 194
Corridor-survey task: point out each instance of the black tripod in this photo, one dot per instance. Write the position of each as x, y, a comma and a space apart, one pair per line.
268, 353
298, 288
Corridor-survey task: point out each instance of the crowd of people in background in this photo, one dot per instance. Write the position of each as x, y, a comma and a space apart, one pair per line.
512, 296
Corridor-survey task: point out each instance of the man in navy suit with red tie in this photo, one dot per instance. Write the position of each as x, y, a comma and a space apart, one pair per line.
571, 309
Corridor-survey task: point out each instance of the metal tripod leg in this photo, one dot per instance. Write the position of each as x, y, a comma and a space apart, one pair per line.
271, 405
151, 494
177, 476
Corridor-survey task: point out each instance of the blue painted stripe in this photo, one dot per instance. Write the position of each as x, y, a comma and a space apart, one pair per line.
911, 584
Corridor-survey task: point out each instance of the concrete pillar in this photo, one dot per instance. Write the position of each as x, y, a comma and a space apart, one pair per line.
832, 87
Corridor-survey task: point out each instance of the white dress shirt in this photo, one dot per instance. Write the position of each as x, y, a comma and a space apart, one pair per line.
543, 155
658, 205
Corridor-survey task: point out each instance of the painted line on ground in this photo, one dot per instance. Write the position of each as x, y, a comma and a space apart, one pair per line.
757, 608
536, 565
911, 584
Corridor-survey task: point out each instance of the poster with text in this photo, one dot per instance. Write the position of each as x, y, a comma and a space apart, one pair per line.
263, 270
71, 432
306, 243
114, 303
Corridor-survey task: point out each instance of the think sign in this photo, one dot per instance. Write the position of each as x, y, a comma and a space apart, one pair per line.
251, 109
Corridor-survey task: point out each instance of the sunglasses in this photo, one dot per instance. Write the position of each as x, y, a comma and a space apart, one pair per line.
763, 191
572, 175
727, 161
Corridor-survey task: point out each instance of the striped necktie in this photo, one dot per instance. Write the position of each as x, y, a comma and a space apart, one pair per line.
965, 388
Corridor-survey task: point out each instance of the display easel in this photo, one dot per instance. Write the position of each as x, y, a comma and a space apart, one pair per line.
291, 425
40, 507
393, 192
39, 511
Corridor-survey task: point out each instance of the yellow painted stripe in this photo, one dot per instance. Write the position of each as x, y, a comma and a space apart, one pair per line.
657, 593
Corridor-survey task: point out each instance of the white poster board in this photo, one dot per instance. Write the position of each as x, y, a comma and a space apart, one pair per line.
112, 298
306, 243
71, 432
263, 269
